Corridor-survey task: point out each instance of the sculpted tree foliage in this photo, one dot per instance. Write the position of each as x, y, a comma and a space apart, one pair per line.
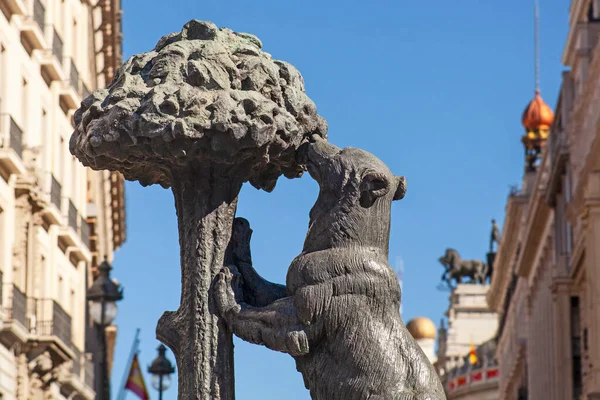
203, 112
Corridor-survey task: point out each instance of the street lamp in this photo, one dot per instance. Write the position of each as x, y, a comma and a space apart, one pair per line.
161, 369
104, 293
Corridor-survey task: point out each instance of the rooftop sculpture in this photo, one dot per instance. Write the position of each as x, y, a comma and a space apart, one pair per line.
456, 269
204, 112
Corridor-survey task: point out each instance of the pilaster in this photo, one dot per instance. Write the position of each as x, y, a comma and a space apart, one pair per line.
591, 220
561, 293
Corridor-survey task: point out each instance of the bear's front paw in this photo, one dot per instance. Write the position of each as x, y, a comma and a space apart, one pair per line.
240, 238
225, 300
296, 343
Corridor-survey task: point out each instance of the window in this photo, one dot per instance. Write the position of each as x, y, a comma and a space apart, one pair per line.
60, 289
74, 181
24, 103
44, 138
2, 58
73, 304
594, 11
576, 374
61, 160
75, 41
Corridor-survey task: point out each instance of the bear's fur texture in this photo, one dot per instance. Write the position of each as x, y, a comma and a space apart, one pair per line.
338, 314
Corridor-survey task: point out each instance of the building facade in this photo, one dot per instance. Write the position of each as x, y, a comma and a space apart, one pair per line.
465, 352
58, 220
547, 272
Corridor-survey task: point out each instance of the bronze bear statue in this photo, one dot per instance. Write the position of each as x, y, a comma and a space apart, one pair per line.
339, 313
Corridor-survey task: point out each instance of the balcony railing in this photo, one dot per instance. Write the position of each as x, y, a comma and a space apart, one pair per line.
55, 192
18, 309
74, 77
471, 376
16, 137
57, 47
85, 92
52, 320
72, 216
85, 232
76, 370
39, 14
89, 373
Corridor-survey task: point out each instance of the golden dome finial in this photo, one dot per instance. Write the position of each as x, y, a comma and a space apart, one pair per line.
537, 116
537, 119
421, 328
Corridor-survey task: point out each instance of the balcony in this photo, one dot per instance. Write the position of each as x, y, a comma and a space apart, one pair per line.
71, 237
74, 77
85, 232
16, 324
70, 91
68, 235
57, 47
72, 216
32, 27
55, 192
11, 145
471, 379
51, 328
51, 60
18, 7
74, 384
52, 194
89, 373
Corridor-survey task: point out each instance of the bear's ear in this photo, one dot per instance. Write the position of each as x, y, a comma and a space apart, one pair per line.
400, 188
373, 186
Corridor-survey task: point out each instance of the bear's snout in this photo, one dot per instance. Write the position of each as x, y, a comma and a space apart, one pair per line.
318, 154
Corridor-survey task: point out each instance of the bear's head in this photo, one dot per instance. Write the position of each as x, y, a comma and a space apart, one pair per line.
356, 192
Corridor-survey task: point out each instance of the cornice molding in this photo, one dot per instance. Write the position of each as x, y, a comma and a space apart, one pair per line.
503, 264
576, 16
536, 224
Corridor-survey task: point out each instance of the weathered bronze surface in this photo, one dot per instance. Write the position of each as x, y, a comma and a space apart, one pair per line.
205, 111
338, 314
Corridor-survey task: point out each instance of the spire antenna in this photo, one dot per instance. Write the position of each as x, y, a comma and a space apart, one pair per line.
536, 24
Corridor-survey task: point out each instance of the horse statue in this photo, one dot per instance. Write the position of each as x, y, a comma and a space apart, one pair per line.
457, 269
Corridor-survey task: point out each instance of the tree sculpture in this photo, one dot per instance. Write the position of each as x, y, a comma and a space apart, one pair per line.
202, 113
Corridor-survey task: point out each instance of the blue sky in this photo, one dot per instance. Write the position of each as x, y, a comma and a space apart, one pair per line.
435, 89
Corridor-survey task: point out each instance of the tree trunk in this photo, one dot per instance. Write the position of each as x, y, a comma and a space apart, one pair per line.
206, 202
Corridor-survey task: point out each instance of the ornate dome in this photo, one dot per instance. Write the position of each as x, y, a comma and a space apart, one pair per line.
537, 115
422, 328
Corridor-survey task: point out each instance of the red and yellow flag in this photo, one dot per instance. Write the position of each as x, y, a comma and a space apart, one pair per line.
135, 380
472, 355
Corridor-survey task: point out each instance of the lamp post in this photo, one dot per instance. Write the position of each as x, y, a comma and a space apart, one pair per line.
161, 370
103, 294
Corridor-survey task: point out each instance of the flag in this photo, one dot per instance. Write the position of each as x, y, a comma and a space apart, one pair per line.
492, 373
472, 355
477, 376
135, 380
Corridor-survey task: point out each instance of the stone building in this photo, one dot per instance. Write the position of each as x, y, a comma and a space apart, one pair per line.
58, 220
471, 326
546, 286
